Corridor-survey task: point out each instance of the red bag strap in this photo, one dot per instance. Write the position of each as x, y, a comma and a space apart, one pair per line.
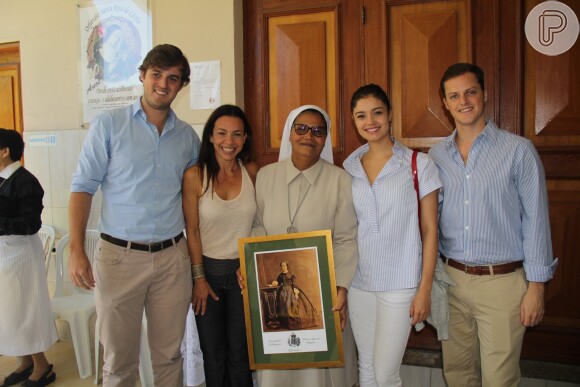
416, 183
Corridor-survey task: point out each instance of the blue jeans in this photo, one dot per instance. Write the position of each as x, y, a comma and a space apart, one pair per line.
222, 332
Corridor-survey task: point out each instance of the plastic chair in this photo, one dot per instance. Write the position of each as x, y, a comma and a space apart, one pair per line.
145, 365
78, 308
47, 237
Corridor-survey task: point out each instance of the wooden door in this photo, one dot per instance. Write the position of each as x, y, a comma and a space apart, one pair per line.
300, 52
405, 46
551, 120
10, 100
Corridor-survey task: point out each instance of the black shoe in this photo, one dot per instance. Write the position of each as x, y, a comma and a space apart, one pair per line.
47, 378
17, 377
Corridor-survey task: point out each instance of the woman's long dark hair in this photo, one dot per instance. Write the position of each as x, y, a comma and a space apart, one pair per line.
207, 160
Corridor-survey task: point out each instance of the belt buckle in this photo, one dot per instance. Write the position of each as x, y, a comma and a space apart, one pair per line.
153, 245
474, 270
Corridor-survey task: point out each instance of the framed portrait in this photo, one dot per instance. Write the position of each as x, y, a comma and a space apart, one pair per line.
288, 299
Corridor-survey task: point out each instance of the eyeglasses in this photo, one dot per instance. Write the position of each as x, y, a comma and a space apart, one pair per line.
317, 131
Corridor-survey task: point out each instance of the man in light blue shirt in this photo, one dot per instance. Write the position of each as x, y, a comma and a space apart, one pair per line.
137, 156
494, 236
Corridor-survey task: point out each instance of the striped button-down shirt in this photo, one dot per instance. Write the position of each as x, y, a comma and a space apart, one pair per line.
494, 207
389, 241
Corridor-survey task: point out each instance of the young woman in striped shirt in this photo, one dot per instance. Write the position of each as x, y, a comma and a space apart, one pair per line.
391, 290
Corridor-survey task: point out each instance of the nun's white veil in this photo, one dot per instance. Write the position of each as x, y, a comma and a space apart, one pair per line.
286, 147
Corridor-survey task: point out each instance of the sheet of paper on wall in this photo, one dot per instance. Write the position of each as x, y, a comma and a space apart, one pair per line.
205, 87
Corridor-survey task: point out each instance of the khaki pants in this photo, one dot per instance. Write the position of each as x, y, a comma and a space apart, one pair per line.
128, 281
485, 332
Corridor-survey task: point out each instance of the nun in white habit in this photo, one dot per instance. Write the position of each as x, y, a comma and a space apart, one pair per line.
26, 323
304, 191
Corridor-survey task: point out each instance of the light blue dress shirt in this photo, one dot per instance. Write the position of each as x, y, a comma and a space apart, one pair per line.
389, 241
494, 209
139, 172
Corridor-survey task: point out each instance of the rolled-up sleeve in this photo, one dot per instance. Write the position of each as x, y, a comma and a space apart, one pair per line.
94, 157
537, 243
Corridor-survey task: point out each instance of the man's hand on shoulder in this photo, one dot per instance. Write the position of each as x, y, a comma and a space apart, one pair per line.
532, 307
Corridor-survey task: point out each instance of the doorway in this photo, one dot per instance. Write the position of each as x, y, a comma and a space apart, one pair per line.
10, 91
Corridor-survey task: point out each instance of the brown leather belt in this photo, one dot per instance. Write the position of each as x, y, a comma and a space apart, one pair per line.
503, 268
150, 247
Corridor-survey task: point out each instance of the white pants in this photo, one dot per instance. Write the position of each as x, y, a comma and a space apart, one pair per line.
381, 325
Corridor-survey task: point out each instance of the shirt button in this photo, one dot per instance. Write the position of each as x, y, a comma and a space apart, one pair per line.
466, 228
467, 176
467, 202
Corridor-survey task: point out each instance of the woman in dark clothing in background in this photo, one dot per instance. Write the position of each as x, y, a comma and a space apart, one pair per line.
26, 324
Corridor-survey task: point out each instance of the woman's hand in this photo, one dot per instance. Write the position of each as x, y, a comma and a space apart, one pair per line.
201, 290
240, 279
420, 306
296, 293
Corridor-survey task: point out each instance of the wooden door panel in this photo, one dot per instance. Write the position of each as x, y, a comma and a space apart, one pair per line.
300, 52
557, 338
552, 98
425, 39
7, 117
10, 99
302, 68
557, 111
562, 298
552, 104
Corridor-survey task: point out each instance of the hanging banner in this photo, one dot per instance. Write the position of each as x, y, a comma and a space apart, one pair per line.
115, 36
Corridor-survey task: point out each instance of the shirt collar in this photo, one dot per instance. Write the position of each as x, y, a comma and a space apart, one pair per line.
399, 149
490, 132
137, 108
311, 174
10, 169
354, 166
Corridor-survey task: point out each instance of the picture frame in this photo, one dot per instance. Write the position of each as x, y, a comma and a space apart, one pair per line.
289, 293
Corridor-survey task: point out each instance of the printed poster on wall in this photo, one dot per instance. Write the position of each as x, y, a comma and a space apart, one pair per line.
115, 36
205, 86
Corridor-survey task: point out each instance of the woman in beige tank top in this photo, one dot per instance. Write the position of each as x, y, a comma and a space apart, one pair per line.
219, 206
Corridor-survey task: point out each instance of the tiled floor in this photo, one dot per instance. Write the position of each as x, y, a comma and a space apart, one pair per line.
62, 356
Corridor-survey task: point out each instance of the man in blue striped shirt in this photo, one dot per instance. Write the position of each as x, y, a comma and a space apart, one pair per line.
137, 155
494, 236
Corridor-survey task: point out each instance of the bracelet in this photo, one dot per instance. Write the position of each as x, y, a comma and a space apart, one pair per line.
197, 271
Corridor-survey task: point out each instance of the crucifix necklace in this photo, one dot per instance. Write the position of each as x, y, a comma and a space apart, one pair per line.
291, 229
